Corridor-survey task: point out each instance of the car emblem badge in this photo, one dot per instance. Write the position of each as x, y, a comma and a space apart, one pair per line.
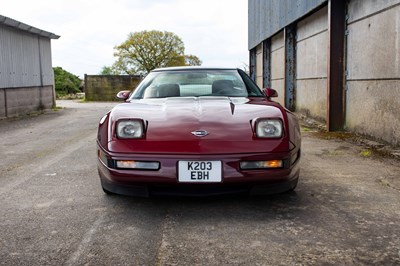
200, 133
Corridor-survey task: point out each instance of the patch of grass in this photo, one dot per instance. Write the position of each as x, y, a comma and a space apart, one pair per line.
333, 135
71, 96
366, 153
56, 108
305, 129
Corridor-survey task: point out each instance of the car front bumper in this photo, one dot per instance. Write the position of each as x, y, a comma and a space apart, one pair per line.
164, 181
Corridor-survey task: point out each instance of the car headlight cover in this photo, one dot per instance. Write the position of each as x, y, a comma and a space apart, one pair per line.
130, 129
269, 128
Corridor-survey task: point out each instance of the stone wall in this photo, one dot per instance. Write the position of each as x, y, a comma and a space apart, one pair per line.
106, 87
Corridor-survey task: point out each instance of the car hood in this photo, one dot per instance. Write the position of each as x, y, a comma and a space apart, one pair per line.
171, 121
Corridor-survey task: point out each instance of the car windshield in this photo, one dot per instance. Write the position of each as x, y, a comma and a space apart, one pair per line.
195, 83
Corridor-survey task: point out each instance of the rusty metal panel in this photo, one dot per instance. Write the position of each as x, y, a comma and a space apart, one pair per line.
290, 67
267, 17
336, 38
267, 63
253, 57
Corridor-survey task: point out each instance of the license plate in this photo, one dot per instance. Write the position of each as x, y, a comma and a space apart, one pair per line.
199, 171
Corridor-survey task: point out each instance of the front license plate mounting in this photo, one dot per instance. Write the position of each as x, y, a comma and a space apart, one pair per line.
200, 171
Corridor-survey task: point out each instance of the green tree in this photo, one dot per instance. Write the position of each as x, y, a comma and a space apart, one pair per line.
146, 50
107, 70
65, 82
192, 60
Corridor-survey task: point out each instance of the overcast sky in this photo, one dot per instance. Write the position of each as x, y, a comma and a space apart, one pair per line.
213, 30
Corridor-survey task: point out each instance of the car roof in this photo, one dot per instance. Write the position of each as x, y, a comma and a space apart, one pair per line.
183, 68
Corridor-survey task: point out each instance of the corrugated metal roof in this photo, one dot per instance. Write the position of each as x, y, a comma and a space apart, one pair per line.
25, 27
268, 17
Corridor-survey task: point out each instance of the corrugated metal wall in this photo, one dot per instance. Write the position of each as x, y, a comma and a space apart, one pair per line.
267, 17
25, 59
47, 66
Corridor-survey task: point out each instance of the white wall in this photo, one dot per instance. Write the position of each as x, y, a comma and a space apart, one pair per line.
259, 65
373, 67
278, 66
311, 65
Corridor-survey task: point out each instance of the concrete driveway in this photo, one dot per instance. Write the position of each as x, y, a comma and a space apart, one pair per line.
345, 211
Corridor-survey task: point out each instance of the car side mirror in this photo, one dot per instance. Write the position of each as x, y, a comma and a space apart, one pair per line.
123, 95
270, 92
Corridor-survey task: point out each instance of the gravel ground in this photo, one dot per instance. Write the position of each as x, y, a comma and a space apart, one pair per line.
345, 211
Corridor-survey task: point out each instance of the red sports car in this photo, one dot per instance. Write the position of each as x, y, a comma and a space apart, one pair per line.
198, 131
